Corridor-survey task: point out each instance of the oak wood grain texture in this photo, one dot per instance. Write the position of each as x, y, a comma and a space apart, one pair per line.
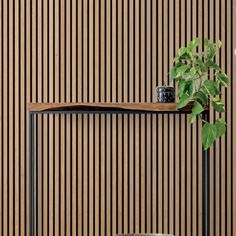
161, 107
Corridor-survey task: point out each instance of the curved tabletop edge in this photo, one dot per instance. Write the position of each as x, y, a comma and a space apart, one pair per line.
148, 107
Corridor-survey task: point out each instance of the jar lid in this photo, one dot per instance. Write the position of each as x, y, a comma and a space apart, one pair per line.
165, 89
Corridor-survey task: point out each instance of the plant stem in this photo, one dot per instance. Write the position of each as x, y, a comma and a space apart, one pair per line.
202, 119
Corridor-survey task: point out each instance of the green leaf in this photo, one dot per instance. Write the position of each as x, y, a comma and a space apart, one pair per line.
181, 70
192, 118
186, 57
218, 104
197, 108
205, 91
223, 78
173, 73
211, 53
193, 71
185, 87
211, 87
209, 134
211, 49
220, 127
207, 42
218, 44
182, 51
183, 101
191, 55
213, 65
188, 89
176, 59
201, 97
178, 70
193, 44
201, 65
181, 87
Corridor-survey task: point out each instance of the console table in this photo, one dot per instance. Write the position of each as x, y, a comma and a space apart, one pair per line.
104, 108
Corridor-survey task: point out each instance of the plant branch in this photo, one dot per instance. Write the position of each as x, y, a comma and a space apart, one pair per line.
200, 116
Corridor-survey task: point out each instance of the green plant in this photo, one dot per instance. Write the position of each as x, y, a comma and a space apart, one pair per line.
192, 71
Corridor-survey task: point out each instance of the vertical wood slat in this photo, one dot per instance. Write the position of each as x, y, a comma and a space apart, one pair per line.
4, 118
233, 134
10, 117
16, 157
127, 49
230, 103
1, 120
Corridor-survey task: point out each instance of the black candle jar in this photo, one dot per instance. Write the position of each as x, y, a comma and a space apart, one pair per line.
165, 94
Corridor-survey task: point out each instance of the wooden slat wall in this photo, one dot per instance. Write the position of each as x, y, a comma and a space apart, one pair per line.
107, 174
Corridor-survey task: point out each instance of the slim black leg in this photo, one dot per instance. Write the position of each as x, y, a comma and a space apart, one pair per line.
208, 182
204, 193
31, 166
205, 187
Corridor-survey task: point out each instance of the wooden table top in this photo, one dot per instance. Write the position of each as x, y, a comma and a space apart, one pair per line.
149, 107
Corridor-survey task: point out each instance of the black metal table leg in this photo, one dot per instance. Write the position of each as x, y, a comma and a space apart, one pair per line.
31, 167
205, 188
205, 170
204, 193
